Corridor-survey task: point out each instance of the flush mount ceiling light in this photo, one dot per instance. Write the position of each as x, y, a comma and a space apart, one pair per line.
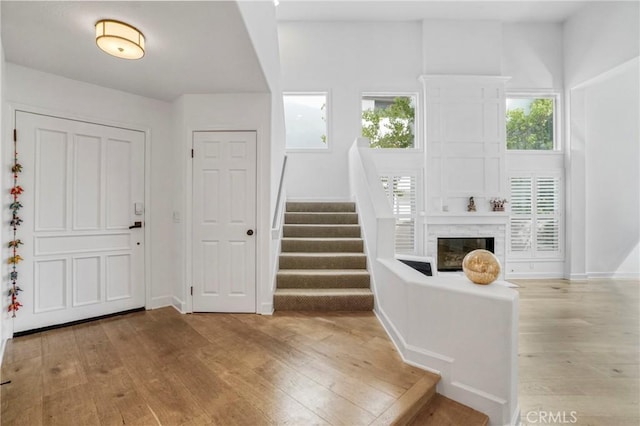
119, 39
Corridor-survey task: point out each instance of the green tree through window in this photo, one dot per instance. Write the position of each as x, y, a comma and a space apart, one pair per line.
530, 124
391, 124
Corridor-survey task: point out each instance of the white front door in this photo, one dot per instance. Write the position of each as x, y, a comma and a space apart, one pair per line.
82, 183
224, 218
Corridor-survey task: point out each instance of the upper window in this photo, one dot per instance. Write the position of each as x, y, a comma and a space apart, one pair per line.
389, 120
531, 123
305, 117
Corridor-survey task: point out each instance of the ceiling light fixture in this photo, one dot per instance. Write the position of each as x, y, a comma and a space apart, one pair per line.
119, 39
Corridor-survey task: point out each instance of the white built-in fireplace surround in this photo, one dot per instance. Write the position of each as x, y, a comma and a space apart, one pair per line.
469, 225
465, 148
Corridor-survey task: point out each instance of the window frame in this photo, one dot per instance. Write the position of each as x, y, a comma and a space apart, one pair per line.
417, 123
320, 150
556, 96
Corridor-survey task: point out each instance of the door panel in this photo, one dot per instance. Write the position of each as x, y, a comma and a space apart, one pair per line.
81, 181
224, 209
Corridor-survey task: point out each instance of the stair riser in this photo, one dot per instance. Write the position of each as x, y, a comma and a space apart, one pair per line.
321, 231
323, 303
326, 218
320, 207
323, 281
319, 246
320, 262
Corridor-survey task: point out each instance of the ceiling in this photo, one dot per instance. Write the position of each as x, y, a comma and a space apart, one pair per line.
203, 46
191, 47
380, 10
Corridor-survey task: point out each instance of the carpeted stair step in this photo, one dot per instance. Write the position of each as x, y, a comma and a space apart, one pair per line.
321, 218
321, 231
335, 299
329, 278
319, 206
316, 245
323, 261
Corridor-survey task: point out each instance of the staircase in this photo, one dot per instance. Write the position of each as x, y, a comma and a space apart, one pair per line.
322, 262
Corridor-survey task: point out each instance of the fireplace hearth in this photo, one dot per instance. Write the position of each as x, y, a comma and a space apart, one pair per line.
451, 251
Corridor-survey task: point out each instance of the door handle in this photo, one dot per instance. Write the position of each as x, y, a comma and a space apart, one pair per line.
136, 225
250, 232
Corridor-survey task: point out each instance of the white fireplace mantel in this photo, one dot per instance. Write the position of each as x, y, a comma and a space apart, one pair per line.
468, 218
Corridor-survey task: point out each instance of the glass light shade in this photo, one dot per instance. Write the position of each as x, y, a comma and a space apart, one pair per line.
119, 39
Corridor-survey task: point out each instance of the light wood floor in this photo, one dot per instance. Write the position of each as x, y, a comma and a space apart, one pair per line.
160, 367
579, 351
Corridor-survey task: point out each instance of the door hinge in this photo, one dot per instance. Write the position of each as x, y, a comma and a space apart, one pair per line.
192, 153
15, 135
192, 290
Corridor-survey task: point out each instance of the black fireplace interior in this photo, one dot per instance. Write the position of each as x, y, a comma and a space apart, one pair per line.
451, 251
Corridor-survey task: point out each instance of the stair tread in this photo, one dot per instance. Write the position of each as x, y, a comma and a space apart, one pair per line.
322, 291
336, 239
442, 411
323, 254
329, 272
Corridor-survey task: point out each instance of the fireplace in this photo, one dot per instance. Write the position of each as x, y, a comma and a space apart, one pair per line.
451, 251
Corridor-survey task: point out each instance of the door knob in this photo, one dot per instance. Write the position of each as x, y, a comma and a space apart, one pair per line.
250, 232
136, 225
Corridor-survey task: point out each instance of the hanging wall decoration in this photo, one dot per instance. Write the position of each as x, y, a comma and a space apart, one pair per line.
15, 243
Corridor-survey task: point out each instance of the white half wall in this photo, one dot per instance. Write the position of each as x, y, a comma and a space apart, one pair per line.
68, 98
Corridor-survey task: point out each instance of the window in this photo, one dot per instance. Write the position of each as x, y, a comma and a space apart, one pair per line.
535, 223
305, 117
531, 122
401, 192
389, 120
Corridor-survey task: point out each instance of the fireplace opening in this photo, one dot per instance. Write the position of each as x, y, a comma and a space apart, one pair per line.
451, 251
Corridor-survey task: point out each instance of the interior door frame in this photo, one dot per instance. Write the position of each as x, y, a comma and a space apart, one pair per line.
7, 151
260, 231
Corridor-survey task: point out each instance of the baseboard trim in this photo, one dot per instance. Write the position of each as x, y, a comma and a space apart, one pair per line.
613, 275
161, 302
178, 305
578, 277
82, 321
534, 276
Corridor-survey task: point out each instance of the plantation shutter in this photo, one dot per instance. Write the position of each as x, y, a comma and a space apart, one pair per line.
521, 214
547, 220
535, 226
401, 193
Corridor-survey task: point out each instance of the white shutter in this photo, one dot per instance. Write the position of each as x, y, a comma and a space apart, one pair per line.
401, 193
547, 214
535, 226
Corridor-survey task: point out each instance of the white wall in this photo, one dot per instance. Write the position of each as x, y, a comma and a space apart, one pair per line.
532, 56
601, 37
222, 112
63, 97
613, 176
461, 47
346, 59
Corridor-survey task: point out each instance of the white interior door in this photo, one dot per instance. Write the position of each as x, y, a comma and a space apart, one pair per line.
81, 184
224, 217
